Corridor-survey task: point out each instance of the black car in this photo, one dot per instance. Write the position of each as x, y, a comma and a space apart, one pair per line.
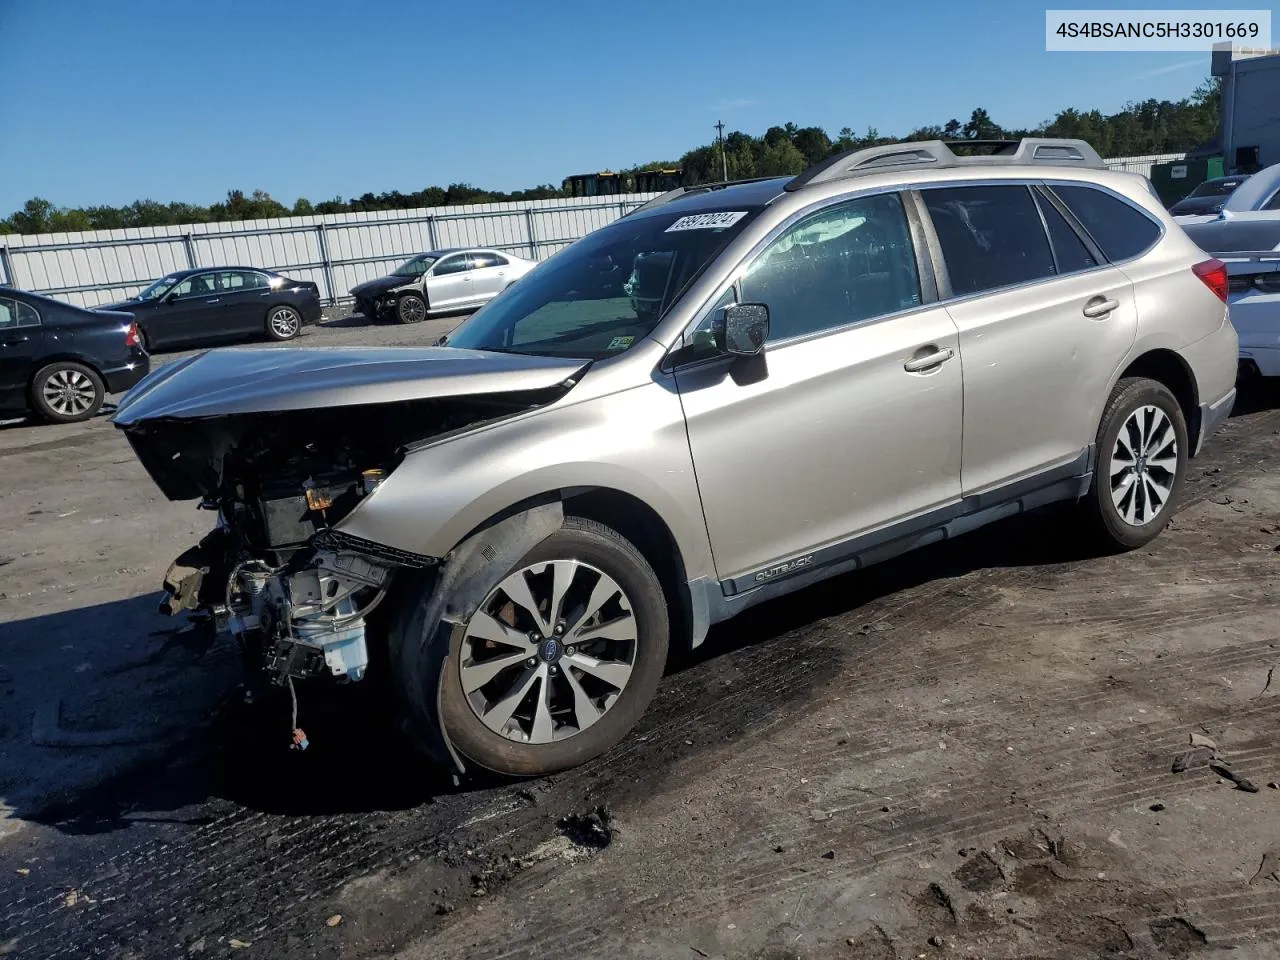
60, 361
209, 304
1208, 197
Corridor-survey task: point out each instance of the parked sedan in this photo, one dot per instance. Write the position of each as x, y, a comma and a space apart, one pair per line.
211, 304
458, 278
59, 361
1209, 197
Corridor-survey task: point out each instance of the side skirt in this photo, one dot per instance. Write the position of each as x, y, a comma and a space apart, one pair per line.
715, 601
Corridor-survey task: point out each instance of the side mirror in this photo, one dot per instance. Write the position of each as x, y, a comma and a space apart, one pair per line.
169, 298
742, 329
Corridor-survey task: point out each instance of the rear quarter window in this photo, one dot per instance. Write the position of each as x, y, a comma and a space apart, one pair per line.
1122, 231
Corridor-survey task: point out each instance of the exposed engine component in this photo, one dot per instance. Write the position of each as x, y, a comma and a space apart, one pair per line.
308, 621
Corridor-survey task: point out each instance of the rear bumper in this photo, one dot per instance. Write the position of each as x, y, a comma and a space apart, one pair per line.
1256, 317
1212, 416
311, 311
120, 379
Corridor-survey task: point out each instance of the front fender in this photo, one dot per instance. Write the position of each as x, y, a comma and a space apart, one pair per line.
633, 441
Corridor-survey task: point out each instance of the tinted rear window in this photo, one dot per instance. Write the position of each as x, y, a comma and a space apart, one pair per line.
1120, 230
1070, 250
990, 236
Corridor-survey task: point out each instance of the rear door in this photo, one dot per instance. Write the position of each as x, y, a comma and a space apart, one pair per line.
489, 274
1042, 327
20, 336
449, 283
244, 296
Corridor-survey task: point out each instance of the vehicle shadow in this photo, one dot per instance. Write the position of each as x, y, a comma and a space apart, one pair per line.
214, 748
1256, 394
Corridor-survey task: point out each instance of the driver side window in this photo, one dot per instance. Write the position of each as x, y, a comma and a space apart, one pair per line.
850, 262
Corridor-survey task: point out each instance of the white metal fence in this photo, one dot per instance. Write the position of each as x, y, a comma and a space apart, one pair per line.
1142, 164
336, 251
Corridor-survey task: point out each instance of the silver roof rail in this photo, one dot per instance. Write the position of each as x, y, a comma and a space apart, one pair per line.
939, 155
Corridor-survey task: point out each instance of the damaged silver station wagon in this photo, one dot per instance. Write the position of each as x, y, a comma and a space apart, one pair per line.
731, 392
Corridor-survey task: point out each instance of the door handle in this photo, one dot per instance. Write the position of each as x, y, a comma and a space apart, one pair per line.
1099, 307
916, 364
267, 294
213, 300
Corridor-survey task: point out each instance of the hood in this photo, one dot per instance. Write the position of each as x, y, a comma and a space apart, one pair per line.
373, 288
1197, 205
256, 380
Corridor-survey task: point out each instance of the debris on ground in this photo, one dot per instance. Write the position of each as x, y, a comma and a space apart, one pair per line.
238, 944
1156, 807
1200, 740
593, 830
1192, 758
1242, 782
334, 920
829, 855
1267, 869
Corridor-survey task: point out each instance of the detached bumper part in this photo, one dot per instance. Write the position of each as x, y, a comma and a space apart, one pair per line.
1212, 416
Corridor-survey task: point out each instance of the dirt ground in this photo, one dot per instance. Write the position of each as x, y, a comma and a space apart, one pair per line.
965, 752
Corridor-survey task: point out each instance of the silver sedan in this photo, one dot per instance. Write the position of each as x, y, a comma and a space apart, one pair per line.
440, 281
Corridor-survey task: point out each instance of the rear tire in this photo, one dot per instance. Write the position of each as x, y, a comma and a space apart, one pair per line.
411, 308
67, 392
524, 707
1142, 451
283, 323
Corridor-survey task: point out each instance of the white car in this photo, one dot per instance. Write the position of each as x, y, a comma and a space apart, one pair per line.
1245, 235
440, 281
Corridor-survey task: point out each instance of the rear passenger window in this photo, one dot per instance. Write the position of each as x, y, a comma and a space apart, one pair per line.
1120, 230
991, 237
1071, 253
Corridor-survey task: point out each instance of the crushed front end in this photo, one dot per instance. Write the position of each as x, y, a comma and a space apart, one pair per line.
273, 572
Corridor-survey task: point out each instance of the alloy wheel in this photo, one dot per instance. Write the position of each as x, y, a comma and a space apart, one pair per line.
549, 651
412, 310
284, 323
69, 393
1144, 465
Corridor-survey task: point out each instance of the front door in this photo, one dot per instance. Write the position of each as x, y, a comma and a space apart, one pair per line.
191, 317
851, 419
20, 335
449, 283
1042, 328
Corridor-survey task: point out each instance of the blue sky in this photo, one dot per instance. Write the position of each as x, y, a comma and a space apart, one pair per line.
181, 100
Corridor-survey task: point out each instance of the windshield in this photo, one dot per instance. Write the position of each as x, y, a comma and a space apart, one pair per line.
415, 267
608, 290
1218, 188
157, 289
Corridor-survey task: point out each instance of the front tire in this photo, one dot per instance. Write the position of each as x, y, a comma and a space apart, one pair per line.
411, 308
1142, 452
283, 323
560, 660
67, 392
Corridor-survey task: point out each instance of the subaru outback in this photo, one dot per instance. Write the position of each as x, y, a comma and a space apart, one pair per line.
732, 392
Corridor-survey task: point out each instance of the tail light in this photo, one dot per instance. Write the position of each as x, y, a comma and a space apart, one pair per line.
131, 337
1214, 274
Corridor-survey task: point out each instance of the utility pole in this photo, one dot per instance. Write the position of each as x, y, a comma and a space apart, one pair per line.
724, 158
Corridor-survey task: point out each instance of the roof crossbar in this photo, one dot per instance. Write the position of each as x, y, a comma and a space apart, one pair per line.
940, 155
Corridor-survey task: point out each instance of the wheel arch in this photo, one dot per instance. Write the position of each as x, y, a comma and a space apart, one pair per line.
63, 357
1167, 367
638, 522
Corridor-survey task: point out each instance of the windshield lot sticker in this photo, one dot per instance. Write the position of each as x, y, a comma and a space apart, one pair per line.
621, 343
707, 221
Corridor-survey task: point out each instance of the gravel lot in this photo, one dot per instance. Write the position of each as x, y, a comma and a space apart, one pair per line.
964, 752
